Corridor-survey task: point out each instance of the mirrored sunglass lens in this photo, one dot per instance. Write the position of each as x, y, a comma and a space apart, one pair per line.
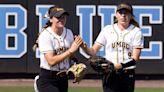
61, 17
123, 11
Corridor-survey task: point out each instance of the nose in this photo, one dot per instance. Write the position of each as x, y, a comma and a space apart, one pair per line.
122, 15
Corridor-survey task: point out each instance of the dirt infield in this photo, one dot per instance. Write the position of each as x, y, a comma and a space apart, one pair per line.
83, 83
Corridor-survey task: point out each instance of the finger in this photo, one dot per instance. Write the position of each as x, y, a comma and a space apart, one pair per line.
83, 45
75, 35
78, 40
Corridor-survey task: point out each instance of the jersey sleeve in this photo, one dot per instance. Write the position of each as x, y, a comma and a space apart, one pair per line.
70, 35
138, 40
101, 40
45, 43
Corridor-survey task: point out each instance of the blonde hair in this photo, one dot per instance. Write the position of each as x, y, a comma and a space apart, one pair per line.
132, 20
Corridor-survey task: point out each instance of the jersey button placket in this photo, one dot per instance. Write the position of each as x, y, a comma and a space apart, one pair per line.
121, 35
60, 39
61, 42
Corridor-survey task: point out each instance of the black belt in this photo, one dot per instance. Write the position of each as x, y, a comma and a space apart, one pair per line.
51, 73
48, 71
125, 71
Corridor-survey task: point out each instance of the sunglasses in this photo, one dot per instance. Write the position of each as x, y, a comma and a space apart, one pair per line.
62, 17
123, 11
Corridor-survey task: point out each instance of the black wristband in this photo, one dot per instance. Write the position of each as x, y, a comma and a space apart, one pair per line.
128, 64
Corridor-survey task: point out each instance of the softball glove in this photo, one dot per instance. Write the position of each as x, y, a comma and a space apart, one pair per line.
100, 64
77, 71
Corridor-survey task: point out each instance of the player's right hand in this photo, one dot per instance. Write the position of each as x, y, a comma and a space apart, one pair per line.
76, 44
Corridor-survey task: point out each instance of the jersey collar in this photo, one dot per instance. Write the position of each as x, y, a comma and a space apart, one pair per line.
56, 35
126, 30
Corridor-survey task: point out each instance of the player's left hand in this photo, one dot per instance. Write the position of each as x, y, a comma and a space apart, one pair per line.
117, 66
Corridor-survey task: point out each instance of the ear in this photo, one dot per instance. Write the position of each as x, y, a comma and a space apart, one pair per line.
116, 15
50, 19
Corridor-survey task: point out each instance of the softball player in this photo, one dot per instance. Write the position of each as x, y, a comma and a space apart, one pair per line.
123, 41
56, 44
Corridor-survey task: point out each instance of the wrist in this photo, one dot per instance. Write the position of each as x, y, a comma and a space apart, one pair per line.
128, 64
69, 52
84, 46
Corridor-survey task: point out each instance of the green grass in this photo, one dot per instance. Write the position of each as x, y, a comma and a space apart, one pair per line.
75, 89
149, 90
85, 89
92, 89
16, 89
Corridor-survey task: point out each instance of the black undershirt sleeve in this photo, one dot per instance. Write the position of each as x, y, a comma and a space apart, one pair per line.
128, 64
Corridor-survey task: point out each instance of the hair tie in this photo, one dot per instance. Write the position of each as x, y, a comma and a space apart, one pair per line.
46, 16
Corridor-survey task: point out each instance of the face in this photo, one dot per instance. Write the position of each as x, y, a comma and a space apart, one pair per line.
123, 16
59, 22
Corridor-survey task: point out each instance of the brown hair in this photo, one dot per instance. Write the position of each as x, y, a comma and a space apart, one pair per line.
132, 21
48, 23
55, 11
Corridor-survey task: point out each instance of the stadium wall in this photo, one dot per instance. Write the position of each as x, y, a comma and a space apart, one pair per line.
21, 21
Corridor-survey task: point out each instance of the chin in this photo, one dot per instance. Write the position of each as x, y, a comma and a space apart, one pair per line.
60, 26
123, 22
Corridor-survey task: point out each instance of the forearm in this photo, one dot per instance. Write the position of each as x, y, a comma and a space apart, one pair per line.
90, 51
53, 59
128, 64
125, 65
136, 54
135, 58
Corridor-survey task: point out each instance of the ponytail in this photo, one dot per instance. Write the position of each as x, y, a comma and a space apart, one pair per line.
36, 42
48, 23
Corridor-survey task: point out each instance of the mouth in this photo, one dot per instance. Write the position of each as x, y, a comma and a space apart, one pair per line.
61, 23
123, 19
